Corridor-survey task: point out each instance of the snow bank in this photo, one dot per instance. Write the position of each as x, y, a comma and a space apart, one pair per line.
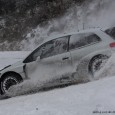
85, 99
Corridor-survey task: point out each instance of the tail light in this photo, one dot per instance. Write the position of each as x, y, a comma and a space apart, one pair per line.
112, 45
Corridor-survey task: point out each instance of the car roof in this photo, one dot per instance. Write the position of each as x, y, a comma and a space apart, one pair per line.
66, 34
72, 33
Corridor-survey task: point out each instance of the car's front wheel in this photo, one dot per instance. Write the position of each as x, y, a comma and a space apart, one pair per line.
97, 63
8, 81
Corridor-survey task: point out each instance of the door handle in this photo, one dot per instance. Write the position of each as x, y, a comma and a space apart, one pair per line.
65, 58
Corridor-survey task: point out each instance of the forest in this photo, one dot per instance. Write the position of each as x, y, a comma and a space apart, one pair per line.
18, 17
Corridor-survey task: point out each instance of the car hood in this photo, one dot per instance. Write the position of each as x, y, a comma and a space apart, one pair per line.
13, 65
17, 63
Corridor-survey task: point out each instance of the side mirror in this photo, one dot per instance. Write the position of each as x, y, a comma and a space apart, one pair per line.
38, 59
42, 53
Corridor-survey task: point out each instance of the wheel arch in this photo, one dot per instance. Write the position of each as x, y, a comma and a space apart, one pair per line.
11, 72
95, 56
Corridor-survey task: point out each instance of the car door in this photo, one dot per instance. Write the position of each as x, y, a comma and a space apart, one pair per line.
80, 45
54, 59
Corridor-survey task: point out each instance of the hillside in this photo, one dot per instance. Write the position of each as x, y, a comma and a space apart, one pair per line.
18, 17
25, 23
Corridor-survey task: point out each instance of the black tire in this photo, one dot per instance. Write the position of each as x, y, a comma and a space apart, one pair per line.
97, 63
8, 81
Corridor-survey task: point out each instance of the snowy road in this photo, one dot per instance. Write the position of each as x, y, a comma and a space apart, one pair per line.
98, 96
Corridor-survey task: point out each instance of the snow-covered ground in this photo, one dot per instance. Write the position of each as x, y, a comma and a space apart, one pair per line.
97, 97
85, 99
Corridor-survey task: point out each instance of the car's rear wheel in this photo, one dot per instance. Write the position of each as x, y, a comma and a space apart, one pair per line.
8, 81
97, 63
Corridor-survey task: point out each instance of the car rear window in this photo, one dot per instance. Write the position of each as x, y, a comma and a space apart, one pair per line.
80, 40
111, 32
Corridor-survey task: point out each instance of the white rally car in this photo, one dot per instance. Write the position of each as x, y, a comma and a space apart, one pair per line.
61, 52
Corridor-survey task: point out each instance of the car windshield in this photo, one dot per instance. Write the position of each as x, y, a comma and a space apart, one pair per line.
32, 55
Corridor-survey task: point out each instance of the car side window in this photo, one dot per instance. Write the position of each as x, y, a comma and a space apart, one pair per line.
50, 48
80, 40
54, 47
